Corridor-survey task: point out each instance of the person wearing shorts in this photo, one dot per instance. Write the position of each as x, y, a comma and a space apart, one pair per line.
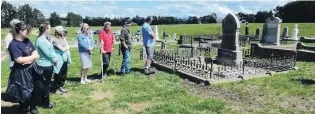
148, 42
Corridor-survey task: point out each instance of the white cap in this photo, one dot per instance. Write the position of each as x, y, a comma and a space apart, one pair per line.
13, 22
59, 29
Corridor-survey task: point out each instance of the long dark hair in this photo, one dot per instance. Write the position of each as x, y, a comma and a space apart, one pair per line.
18, 27
42, 28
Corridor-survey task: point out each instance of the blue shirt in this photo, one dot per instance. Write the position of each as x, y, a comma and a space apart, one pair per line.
20, 49
85, 42
146, 33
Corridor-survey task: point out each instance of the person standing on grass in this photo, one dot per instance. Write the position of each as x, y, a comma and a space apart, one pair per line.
8, 38
21, 80
106, 37
126, 44
86, 46
61, 69
47, 60
148, 43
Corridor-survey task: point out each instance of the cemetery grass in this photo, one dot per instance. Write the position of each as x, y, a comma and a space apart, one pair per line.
292, 92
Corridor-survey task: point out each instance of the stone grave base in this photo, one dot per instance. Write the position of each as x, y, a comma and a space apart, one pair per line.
229, 57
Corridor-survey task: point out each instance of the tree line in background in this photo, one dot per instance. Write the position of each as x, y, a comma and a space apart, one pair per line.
296, 11
292, 12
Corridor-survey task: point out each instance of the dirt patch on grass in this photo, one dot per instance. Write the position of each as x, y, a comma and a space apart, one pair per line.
139, 107
98, 95
298, 103
251, 101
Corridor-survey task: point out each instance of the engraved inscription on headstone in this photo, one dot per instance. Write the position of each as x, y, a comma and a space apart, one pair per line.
229, 52
271, 31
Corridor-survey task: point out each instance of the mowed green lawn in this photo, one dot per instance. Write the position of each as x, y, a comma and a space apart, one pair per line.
161, 93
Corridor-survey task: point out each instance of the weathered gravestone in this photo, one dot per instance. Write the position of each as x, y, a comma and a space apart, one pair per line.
271, 31
285, 32
156, 33
174, 36
295, 32
257, 33
229, 52
247, 30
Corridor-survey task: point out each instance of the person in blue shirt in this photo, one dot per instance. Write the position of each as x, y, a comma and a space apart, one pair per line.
148, 42
21, 84
85, 45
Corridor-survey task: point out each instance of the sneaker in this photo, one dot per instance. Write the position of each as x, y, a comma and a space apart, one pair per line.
146, 71
34, 111
122, 74
59, 92
87, 80
25, 111
82, 82
48, 106
63, 90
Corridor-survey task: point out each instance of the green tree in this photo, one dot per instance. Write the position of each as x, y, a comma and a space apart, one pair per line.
38, 17
73, 20
54, 19
25, 13
8, 12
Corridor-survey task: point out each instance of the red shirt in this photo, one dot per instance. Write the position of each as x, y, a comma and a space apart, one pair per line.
108, 39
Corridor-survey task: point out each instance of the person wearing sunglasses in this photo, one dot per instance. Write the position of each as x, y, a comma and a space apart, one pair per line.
85, 45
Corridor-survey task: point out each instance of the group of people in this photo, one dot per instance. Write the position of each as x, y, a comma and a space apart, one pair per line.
30, 82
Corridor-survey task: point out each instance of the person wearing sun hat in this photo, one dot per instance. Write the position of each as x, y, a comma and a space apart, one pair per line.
61, 69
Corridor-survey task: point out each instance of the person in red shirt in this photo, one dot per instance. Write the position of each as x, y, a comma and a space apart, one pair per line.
106, 37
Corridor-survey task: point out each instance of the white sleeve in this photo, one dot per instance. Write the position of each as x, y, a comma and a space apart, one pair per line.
8, 38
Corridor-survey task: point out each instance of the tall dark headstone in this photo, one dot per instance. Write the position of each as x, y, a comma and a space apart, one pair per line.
271, 32
229, 52
247, 30
257, 33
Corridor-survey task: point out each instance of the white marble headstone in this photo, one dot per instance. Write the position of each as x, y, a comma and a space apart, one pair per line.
156, 33
295, 32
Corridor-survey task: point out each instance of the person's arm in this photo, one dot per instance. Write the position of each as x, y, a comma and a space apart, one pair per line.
113, 42
64, 49
101, 37
42, 45
92, 41
17, 55
122, 38
81, 43
60, 47
149, 30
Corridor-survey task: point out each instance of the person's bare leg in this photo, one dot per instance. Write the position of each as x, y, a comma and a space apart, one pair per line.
86, 73
82, 76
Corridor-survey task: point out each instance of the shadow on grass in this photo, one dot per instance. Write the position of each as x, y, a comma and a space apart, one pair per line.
5, 97
304, 81
10, 109
78, 79
14, 109
137, 70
